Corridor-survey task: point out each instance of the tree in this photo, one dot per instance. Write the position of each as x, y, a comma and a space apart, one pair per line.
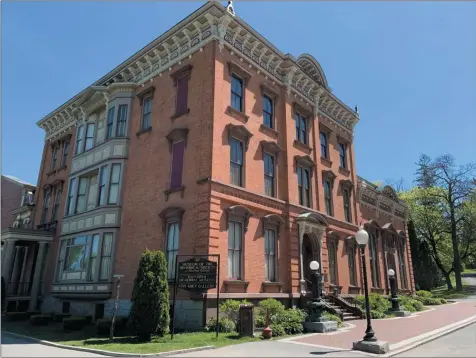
150, 297
447, 188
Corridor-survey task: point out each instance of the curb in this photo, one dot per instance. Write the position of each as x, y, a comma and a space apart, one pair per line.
108, 353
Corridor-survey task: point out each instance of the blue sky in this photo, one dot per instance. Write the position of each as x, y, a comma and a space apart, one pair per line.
410, 66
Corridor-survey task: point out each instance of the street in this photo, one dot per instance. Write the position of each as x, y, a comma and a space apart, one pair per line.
461, 343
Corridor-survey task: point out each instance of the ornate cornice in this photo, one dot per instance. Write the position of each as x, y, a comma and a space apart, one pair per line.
302, 76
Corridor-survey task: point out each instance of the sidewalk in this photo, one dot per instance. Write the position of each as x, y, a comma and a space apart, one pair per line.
396, 330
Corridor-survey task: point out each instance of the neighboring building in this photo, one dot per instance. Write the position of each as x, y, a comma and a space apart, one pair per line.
209, 140
15, 193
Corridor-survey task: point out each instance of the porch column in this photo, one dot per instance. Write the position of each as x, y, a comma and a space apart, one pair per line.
17, 265
35, 288
4, 249
7, 263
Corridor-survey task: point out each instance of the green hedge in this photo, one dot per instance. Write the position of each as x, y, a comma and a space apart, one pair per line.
225, 325
74, 323
41, 319
17, 316
58, 317
378, 304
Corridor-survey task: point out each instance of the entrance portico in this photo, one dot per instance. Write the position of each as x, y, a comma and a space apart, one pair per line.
311, 226
23, 256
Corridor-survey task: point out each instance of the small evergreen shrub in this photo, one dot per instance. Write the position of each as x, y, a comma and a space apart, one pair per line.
410, 304
377, 302
273, 306
333, 317
225, 325
260, 321
41, 319
291, 320
231, 309
58, 317
150, 297
424, 294
278, 330
74, 323
16, 316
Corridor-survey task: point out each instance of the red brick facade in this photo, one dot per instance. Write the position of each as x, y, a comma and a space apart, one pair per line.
207, 201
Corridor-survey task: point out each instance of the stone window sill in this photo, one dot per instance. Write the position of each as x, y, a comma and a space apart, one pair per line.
304, 147
174, 190
269, 131
180, 114
326, 161
142, 131
236, 286
271, 287
63, 167
344, 171
51, 172
235, 113
376, 290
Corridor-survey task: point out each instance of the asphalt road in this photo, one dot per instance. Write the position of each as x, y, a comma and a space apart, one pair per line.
461, 343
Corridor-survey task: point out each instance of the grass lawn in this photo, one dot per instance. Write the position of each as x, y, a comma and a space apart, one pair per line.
85, 338
443, 292
469, 271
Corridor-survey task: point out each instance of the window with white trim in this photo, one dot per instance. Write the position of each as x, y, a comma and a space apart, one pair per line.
235, 250
270, 258
173, 234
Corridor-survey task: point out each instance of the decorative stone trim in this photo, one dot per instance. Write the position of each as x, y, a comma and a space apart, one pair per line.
241, 213
239, 285
326, 161
344, 171
171, 214
297, 108
272, 287
269, 131
149, 92
304, 147
271, 147
343, 140
239, 132
347, 184
233, 68
234, 113
145, 130
305, 161
329, 175
177, 135
174, 190
273, 221
268, 91
184, 71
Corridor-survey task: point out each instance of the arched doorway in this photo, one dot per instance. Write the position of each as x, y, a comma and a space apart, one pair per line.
310, 252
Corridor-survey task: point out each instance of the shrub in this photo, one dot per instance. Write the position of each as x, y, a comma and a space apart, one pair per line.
150, 297
41, 319
260, 321
231, 309
58, 317
377, 302
273, 306
410, 304
16, 316
225, 325
103, 326
278, 330
443, 301
291, 320
430, 301
424, 294
333, 317
74, 323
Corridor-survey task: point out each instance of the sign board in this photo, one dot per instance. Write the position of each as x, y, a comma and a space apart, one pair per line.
197, 275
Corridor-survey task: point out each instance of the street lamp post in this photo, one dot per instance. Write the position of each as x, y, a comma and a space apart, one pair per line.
369, 343
396, 309
315, 321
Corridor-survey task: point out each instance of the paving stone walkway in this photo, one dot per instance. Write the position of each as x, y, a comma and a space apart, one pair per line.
396, 330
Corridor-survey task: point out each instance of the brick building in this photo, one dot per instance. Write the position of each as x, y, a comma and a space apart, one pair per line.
210, 140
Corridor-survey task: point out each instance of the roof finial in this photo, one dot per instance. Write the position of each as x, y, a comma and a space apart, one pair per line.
230, 9
356, 109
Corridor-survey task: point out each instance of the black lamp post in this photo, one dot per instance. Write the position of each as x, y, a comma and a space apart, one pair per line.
315, 281
362, 237
393, 290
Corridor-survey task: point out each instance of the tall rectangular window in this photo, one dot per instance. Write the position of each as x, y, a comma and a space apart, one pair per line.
328, 197
323, 139
81, 197
54, 157
236, 162
178, 151
181, 105
46, 205
146, 113
303, 186
268, 112
270, 255
69, 200
352, 267
56, 204
109, 122
235, 245
106, 257
343, 155
347, 211
401, 262
92, 200
121, 120
64, 159
102, 186
173, 231
79, 139
269, 177
114, 184
89, 136
237, 93
332, 251
93, 258
301, 128
374, 261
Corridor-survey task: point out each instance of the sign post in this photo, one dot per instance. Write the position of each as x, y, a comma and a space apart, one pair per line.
116, 304
197, 275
